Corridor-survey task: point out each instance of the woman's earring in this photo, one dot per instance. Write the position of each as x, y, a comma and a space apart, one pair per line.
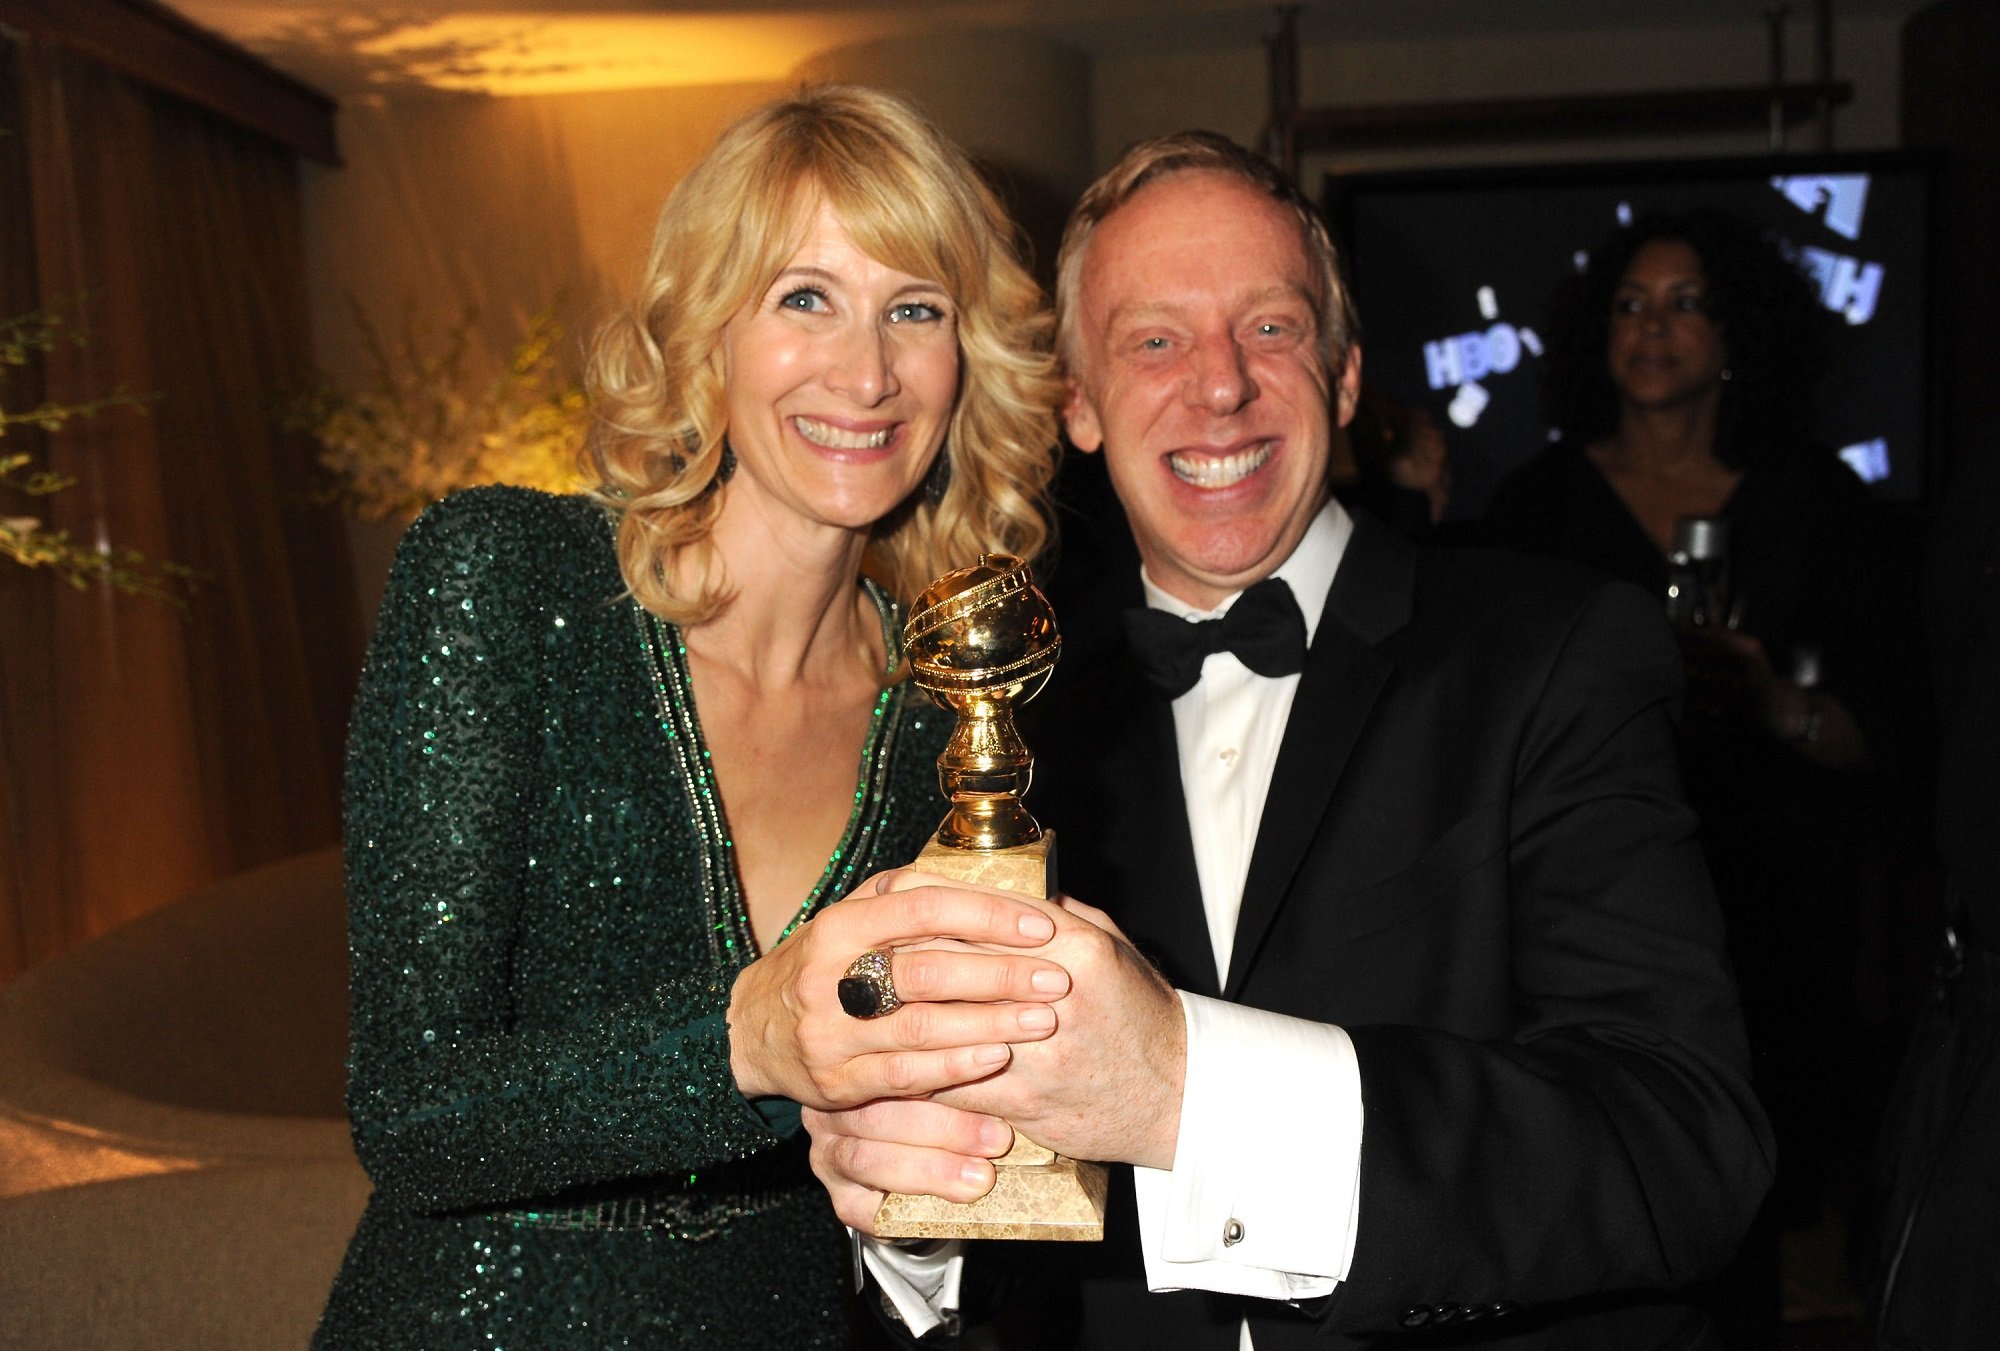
938, 481
725, 465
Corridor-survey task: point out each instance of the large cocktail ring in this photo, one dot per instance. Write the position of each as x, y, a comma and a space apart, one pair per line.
866, 990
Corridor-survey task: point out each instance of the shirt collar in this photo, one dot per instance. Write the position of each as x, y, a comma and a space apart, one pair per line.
1308, 571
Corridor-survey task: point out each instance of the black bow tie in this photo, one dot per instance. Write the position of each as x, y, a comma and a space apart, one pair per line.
1263, 628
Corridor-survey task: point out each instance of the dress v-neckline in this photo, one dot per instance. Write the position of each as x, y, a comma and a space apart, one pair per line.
732, 942
1638, 527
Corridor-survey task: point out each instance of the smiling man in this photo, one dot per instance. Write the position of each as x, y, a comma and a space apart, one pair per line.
1200, 363
1422, 1025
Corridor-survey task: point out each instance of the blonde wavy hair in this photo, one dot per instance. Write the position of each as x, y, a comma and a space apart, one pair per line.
908, 198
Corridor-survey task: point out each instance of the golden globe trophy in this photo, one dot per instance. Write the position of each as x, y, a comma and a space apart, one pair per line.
980, 640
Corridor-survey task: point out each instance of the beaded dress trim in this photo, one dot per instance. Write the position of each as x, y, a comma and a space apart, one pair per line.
731, 941
691, 1217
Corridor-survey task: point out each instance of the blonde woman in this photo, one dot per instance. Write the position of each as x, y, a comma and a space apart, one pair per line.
615, 757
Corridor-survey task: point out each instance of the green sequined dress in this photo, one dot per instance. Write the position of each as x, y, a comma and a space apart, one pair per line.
545, 925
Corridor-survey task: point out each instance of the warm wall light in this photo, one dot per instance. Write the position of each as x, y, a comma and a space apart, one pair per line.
504, 55
350, 52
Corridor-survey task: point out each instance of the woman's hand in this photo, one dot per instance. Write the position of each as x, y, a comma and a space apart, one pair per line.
1730, 676
962, 1010
911, 1146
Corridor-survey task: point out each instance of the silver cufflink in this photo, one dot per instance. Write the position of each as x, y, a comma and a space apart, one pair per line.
1232, 1233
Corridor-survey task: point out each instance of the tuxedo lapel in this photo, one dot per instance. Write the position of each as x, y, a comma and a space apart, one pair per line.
1165, 916
1343, 676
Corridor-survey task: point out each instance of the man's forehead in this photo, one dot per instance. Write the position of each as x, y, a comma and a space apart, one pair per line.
1194, 238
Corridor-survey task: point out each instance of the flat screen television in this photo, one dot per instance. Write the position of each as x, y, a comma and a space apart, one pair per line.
1453, 272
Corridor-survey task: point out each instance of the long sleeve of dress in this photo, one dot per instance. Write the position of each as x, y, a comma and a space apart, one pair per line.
534, 1006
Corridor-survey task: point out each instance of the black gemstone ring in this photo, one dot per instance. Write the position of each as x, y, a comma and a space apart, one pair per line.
866, 990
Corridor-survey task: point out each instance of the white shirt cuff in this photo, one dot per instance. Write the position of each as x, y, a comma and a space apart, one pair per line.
1263, 1196
922, 1283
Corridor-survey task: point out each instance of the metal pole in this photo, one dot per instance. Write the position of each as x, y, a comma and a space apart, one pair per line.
1823, 49
1774, 18
1282, 142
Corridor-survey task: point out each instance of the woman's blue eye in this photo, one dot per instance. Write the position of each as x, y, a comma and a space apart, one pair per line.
807, 299
915, 312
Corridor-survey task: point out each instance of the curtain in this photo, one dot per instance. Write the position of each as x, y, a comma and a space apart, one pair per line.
146, 751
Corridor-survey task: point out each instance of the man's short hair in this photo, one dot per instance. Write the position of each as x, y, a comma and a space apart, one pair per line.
1202, 152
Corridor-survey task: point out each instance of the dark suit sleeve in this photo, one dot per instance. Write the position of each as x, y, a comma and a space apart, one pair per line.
1609, 1142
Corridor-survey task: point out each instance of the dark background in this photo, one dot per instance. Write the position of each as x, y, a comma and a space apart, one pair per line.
1420, 246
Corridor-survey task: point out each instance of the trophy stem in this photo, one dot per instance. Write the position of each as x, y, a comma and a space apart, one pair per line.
988, 822
984, 770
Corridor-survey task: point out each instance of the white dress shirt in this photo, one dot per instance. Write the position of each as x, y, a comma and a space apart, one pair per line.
1262, 1198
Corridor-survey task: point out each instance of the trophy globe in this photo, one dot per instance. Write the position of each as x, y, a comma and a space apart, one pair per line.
980, 640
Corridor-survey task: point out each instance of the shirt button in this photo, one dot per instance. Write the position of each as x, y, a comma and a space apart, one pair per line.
1232, 1233
1227, 755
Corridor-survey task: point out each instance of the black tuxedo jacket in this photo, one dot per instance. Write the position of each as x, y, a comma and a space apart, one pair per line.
1475, 857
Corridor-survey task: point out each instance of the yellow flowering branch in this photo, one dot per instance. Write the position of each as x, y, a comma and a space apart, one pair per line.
426, 425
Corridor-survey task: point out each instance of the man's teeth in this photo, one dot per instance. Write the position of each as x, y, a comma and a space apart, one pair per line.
834, 438
1219, 471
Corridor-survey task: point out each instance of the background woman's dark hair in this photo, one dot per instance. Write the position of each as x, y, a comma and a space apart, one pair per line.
1776, 331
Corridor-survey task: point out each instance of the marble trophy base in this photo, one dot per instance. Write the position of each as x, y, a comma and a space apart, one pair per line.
1038, 1193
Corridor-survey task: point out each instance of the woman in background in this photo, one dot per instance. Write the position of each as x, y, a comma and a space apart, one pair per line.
614, 757
1682, 363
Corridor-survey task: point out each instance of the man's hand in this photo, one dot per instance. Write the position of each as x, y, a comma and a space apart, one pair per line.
1106, 1085
963, 1005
